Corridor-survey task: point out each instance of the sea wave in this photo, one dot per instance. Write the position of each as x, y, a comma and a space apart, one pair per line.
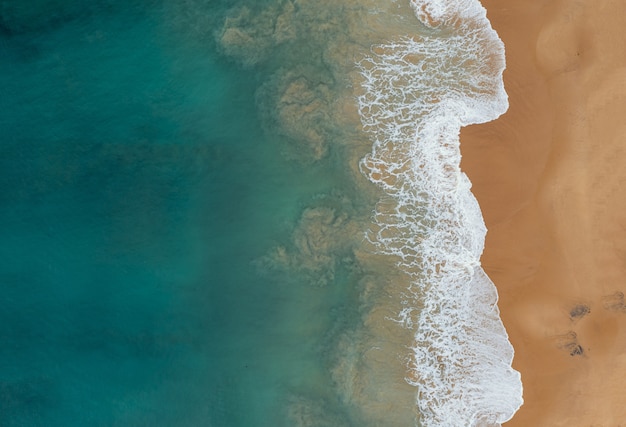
418, 92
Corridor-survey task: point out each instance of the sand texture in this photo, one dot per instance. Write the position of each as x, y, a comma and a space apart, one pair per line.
550, 176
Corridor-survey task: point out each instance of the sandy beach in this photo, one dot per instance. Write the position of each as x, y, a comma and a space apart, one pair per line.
549, 176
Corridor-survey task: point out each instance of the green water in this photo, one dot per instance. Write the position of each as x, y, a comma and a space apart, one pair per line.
144, 191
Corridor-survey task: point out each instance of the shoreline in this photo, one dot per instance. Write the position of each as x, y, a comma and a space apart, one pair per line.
428, 222
548, 177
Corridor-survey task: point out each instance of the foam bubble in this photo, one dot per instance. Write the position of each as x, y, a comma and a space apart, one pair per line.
434, 13
418, 92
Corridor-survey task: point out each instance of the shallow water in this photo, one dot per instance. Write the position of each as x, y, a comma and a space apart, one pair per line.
183, 220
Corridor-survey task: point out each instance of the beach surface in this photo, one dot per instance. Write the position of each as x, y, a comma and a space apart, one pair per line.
549, 176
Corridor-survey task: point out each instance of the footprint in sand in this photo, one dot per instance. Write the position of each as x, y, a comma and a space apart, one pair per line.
614, 302
569, 340
579, 311
569, 343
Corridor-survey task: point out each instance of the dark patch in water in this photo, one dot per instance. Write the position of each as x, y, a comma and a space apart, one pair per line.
27, 396
39, 16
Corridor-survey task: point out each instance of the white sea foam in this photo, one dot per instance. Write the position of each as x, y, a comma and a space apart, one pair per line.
418, 92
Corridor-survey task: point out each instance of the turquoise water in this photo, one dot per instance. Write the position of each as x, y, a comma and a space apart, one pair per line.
140, 196
185, 192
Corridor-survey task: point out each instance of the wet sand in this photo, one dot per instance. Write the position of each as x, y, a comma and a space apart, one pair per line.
550, 178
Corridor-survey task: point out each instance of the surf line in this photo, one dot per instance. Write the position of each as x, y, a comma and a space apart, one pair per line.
417, 93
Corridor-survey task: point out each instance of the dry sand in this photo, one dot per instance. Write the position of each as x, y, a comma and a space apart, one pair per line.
550, 176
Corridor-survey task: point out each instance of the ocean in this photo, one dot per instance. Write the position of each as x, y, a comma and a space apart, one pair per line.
240, 213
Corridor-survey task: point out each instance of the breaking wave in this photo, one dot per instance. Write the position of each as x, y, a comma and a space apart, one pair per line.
418, 92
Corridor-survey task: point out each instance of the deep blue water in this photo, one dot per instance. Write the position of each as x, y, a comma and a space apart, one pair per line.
137, 189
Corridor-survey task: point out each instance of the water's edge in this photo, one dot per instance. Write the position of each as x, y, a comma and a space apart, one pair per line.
418, 92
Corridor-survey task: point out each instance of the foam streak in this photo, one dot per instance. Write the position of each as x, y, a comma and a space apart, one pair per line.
418, 92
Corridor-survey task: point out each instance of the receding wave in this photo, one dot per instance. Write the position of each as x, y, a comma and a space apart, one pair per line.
418, 92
